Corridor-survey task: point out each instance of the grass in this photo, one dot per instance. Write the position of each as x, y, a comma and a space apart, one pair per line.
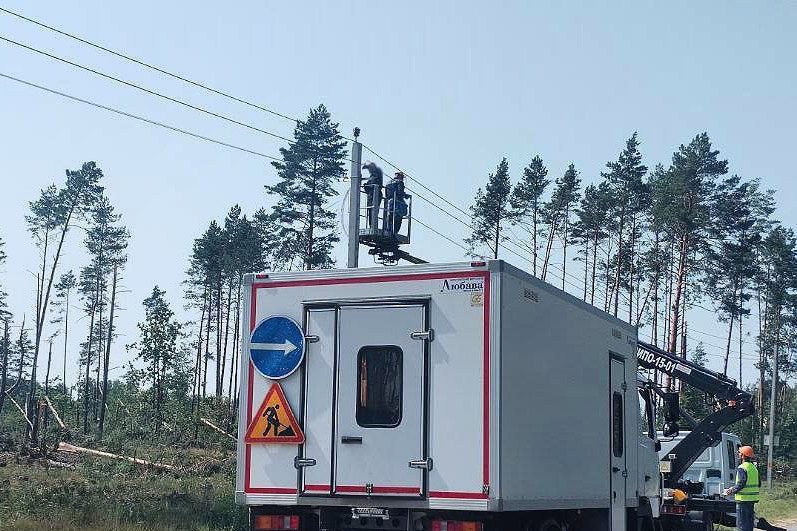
115, 496
779, 504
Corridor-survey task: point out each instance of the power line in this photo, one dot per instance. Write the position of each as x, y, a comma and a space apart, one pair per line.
148, 65
240, 100
137, 117
416, 220
144, 89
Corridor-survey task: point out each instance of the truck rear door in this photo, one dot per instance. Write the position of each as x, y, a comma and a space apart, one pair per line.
380, 426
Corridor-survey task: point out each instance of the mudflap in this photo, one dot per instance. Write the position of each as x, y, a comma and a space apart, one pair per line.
762, 523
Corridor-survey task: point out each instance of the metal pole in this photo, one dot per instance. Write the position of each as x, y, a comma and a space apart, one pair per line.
354, 200
772, 400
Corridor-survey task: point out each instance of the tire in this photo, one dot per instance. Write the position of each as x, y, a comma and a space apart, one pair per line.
549, 524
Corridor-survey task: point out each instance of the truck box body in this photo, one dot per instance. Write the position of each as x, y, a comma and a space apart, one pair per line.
503, 393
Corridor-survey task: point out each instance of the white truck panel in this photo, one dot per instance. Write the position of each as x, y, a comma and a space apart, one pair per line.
555, 362
517, 415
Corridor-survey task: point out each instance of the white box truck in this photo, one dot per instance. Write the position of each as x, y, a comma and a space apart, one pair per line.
466, 396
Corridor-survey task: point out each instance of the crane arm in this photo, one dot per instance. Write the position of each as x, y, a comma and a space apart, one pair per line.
735, 404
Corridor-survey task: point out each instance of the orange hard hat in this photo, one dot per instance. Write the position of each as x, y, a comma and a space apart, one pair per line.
746, 451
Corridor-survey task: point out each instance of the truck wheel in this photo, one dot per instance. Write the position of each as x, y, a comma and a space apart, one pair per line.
549, 525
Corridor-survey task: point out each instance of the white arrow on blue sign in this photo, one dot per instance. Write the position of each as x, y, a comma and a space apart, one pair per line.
276, 347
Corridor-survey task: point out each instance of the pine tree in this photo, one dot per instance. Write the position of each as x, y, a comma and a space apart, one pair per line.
592, 228
157, 347
63, 290
490, 211
739, 217
688, 188
556, 213
310, 167
625, 179
526, 200
106, 241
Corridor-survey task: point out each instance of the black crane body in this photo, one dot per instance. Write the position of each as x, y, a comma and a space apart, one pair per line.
734, 404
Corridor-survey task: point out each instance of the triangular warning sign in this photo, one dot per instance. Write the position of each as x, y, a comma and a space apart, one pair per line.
274, 422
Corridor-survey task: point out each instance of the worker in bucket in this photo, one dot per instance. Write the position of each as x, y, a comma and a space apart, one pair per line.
746, 489
373, 191
395, 203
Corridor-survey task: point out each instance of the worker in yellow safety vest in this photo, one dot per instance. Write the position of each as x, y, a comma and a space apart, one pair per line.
746, 489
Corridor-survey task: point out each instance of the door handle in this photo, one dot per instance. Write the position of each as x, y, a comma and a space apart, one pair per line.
348, 439
615, 469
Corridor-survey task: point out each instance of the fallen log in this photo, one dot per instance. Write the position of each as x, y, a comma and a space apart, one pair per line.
208, 423
55, 413
80, 450
21, 411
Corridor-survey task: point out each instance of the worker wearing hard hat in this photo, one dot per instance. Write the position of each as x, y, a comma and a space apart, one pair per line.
746, 489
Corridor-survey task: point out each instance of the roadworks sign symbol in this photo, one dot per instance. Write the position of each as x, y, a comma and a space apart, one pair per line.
274, 422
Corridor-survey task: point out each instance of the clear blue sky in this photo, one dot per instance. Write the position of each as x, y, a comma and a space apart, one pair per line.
444, 88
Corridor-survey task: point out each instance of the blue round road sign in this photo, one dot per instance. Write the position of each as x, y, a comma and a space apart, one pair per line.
276, 347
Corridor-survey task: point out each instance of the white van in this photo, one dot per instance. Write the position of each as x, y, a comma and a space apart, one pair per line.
715, 468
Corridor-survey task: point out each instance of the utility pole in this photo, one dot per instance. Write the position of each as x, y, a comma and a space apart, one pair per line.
772, 400
354, 200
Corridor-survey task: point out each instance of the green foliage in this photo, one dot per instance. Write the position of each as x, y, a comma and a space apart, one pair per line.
158, 350
304, 223
491, 210
526, 200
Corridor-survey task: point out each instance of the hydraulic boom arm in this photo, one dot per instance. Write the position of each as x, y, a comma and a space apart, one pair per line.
735, 404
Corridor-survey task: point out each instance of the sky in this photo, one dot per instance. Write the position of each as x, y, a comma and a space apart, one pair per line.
445, 89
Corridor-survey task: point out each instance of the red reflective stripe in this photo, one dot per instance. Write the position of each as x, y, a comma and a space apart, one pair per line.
391, 278
457, 495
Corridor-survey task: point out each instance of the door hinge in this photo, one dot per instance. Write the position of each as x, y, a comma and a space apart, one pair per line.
369, 488
624, 386
312, 339
486, 490
426, 464
423, 336
300, 462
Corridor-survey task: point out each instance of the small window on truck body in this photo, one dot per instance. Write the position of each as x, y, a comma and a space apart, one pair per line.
731, 455
380, 375
617, 425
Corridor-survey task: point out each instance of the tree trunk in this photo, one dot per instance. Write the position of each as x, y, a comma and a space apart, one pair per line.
198, 367
586, 266
497, 238
226, 337
4, 374
219, 303
728, 345
88, 373
107, 357
311, 225
534, 235
631, 270
47, 374
594, 263
619, 260
760, 373
741, 316
548, 246
42, 308
66, 339
207, 348
236, 326
679, 287
564, 249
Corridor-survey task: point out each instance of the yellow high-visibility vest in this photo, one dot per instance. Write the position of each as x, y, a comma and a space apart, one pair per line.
750, 491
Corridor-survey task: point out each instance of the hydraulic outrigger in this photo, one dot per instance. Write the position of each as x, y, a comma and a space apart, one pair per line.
732, 405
